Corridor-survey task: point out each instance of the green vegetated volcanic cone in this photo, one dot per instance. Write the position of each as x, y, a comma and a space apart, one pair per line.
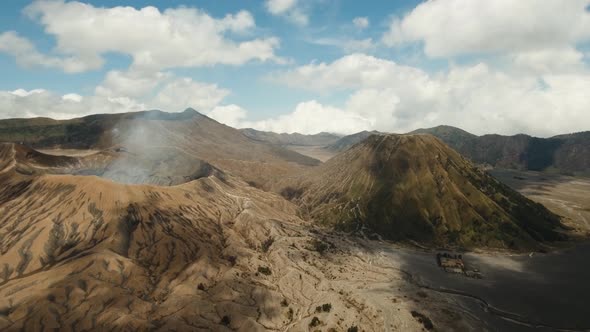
415, 187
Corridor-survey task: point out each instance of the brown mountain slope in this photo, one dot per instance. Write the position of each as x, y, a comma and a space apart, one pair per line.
416, 187
83, 253
80, 253
157, 136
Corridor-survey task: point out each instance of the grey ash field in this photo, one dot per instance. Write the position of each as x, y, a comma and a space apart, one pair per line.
174, 222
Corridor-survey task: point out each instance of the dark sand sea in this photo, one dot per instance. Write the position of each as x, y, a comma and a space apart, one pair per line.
545, 292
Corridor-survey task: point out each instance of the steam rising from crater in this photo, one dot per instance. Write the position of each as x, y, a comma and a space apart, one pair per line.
146, 155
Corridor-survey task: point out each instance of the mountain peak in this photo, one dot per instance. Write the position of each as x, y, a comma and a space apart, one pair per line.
416, 187
191, 110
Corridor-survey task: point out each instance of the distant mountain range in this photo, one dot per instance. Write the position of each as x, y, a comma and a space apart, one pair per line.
569, 154
350, 140
322, 139
566, 154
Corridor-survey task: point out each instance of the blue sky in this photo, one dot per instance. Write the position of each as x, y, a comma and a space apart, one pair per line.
330, 19
304, 65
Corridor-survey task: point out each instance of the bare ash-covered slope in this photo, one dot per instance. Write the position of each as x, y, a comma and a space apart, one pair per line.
145, 141
416, 187
82, 253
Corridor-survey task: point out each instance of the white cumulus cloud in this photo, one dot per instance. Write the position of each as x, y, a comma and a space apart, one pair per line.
361, 22
352, 71
311, 117
155, 40
42, 103
280, 6
452, 27
185, 92
27, 55
390, 97
231, 115
548, 61
130, 83
290, 9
